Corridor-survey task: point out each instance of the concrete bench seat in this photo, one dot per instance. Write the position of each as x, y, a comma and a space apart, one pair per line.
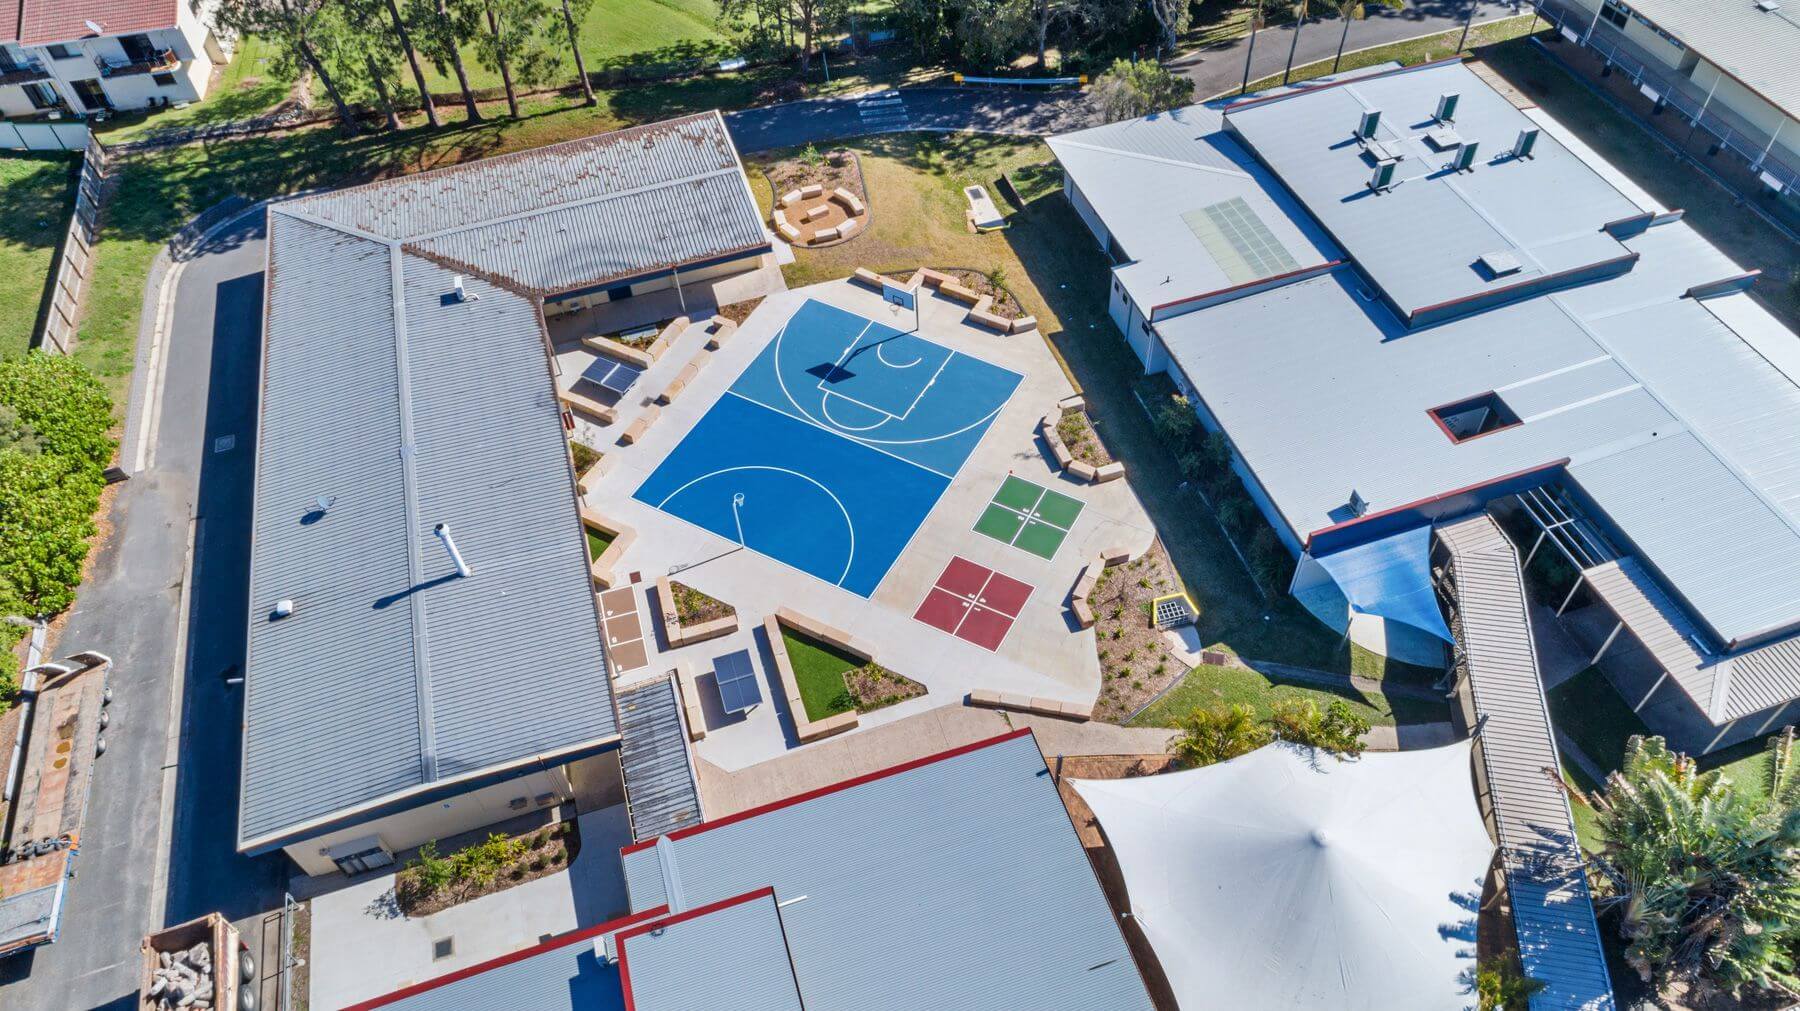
779, 217
588, 406
1024, 324
998, 324
790, 198
868, 277
847, 200
983, 698
789, 232
610, 348
816, 211
825, 235
848, 228
722, 329
955, 290
811, 191
639, 425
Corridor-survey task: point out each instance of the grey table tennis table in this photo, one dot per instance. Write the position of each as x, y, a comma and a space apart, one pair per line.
739, 691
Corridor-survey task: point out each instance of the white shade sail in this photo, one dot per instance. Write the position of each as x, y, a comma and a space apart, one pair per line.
1290, 879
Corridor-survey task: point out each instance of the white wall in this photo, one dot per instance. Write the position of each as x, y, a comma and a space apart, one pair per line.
1086, 211
440, 820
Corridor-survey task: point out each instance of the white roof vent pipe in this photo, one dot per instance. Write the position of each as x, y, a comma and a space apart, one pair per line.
443, 534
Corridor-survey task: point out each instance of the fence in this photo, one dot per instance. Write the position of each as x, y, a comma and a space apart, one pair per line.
75, 262
1667, 88
46, 135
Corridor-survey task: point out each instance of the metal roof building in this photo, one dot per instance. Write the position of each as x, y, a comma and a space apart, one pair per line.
954, 881
663, 795
408, 392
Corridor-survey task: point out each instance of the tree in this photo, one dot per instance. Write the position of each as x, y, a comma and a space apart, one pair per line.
412, 60
444, 32
1348, 9
813, 18
1301, 9
991, 30
1128, 90
1502, 987
1218, 734
513, 45
573, 12
366, 53
303, 31
1173, 17
60, 404
1705, 876
1338, 729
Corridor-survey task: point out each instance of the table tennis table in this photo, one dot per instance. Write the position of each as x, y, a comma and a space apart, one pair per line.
739, 691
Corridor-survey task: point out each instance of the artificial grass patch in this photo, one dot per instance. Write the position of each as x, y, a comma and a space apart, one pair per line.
598, 541
832, 681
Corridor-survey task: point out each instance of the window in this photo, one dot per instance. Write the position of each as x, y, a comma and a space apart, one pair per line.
62, 52
166, 80
138, 48
1474, 417
1615, 13
41, 96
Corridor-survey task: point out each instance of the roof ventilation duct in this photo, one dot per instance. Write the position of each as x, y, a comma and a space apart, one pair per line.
1526, 143
443, 534
1368, 124
1464, 161
1446, 107
1383, 177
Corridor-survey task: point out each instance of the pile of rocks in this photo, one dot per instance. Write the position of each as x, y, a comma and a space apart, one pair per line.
183, 979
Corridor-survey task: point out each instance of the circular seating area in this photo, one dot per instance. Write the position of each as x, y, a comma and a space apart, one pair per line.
810, 216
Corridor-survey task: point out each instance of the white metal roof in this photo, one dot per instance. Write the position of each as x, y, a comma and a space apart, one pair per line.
1761, 48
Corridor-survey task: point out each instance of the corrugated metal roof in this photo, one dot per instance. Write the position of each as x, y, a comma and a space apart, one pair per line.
1142, 175
1420, 240
1559, 941
1760, 48
405, 410
732, 956
569, 215
568, 976
661, 792
955, 883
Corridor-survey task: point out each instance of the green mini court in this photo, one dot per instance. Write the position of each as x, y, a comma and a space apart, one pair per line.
1029, 517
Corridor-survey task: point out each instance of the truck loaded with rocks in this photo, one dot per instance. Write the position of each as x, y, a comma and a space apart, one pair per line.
200, 964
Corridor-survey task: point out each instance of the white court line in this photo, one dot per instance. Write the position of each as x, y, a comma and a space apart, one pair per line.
825, 409
881, 356
849, 523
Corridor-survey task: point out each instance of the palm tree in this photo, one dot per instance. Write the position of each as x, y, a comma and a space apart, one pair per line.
1348, 9
1301, 10
1219, 734
1705, 876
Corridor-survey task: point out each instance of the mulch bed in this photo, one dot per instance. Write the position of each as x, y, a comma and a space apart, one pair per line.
693, 607
873, 686
1135, 662
1005, 302
834, 169
550, 849
1077, 432
1099, 767
738, 312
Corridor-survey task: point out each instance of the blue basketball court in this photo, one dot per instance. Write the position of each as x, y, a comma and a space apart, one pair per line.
830, 449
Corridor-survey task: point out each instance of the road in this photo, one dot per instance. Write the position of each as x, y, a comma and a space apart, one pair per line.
973, 110
1220, 69
130, 608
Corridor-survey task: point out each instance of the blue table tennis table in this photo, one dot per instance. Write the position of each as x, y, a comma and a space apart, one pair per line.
739, 691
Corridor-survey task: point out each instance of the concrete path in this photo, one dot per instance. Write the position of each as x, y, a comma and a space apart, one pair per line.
1412, 737
1219, 70
935, 730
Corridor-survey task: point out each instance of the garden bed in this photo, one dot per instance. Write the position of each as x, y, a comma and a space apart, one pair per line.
433, 883
834, 169
992, 283
833, 681
1077, 432
738, 312
693, 607
1135, 661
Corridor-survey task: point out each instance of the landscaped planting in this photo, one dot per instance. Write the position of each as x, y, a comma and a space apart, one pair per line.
832, 681
1077, 432
1135, 660
693, 607
432, 882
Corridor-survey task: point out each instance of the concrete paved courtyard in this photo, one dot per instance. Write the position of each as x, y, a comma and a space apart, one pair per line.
1043, 655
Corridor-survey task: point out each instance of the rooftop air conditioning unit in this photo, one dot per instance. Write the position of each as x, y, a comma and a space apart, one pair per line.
1446, 107
1526, 143
1368, 124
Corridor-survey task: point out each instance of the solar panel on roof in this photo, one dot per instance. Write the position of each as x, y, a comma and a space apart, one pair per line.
1239, 241
738, 688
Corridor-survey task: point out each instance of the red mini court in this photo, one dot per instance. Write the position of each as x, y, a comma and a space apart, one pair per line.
973, 602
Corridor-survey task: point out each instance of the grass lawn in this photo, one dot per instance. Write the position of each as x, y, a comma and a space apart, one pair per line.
1207, 686
1596, 718
1410, 52
597, 542
819, 669
249, 86
615, 34
37, 192
1712, 211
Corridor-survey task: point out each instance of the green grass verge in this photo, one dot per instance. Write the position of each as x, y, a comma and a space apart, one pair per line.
1208, 686
819, 670
614, 35
1596, 718
249, 86
1410, 52
37, 193
598, 541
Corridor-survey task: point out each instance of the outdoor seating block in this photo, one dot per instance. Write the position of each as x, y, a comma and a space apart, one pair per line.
1084, 584
1024, 324
955, 290
866, 276
848, 200
790, 198
1049, 707
984, 304
825, 235
1115, 556
670, 334
848, 228
1015, 701
1084, 614
1109, 472
722, 329
816, 211
690, 701
635, 431
610, 348
1072, 405
809, 192
1082, 469
671, 391
790, 233
779, 217
934, 278
588, 406
984, 697
999, 324
818, 730
1079, 711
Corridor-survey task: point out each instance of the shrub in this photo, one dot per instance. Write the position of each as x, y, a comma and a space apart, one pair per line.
1175, 420
1269, 560
1236, 513
1338, 729
1503, 988
1128, 90
433, 872
585, 455
1217, 735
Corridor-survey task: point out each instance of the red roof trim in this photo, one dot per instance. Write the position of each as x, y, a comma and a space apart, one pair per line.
766, 891
1522, 285
1271, 280
562, 940
801, 798
1427, 500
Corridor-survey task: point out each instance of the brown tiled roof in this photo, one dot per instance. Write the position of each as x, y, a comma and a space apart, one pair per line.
38, 22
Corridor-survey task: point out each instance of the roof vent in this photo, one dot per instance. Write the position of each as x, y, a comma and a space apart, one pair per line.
283, 608
443, 534
1383, 177
1499, 263
96, 27
1526, 143
1368, 124
1767, 6
1446, 107
1464, 160
459, 295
